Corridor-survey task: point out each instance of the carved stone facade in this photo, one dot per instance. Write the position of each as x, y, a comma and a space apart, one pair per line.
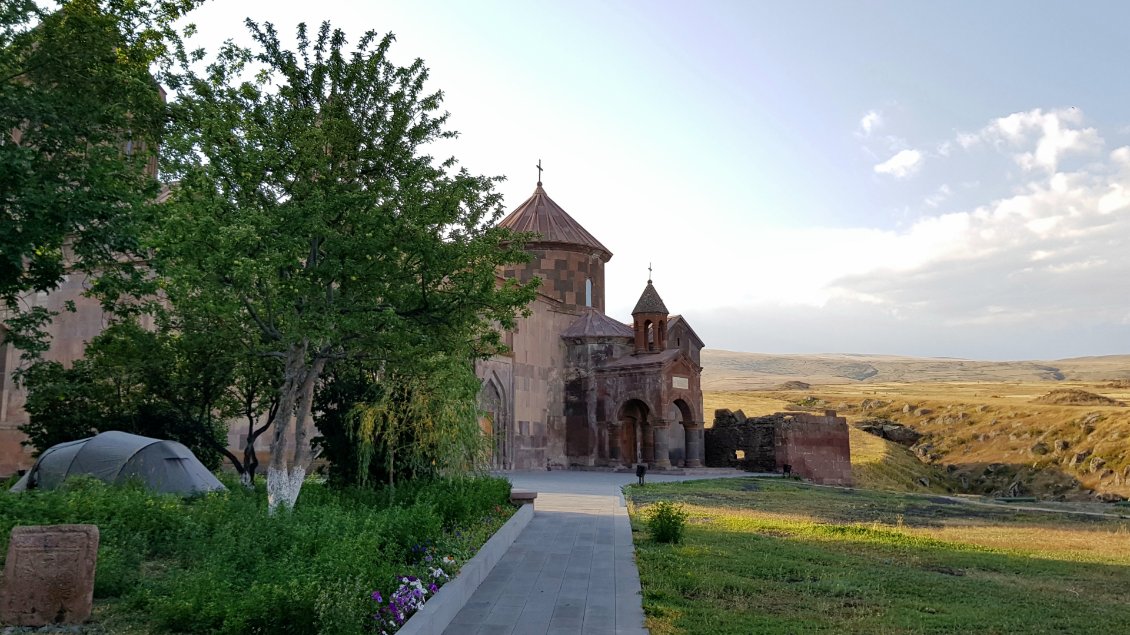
585, 389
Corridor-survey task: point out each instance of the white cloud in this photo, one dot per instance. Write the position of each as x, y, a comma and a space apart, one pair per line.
1039, 139
1041, 269
903, 164
869, 122
938, 197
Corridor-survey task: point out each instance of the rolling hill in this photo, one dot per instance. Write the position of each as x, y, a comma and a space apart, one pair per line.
728, 370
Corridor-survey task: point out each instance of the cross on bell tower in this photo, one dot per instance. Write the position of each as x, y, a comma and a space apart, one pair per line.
538, 166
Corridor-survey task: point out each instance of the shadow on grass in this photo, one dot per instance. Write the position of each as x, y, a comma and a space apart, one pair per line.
843, 505
792, 577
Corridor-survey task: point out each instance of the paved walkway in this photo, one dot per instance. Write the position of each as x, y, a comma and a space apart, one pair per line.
572, 570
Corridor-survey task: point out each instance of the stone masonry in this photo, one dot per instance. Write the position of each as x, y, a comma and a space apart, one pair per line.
814, 447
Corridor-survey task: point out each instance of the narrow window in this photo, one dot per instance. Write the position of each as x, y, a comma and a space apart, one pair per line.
588, 291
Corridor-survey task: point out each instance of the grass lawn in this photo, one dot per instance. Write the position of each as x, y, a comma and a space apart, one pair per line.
779, 556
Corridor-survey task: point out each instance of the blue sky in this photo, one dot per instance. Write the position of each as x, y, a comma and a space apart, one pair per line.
945, 179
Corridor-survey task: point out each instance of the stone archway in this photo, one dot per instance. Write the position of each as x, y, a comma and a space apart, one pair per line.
634, 425
691, 432
495, 422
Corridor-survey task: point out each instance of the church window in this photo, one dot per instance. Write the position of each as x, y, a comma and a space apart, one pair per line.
588, 291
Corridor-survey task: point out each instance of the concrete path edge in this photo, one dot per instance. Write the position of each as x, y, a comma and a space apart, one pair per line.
451, 597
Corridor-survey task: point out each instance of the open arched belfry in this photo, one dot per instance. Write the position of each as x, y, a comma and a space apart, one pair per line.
579, 387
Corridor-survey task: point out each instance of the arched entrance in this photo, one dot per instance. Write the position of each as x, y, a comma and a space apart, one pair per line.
633, 432
690, 443
495, 422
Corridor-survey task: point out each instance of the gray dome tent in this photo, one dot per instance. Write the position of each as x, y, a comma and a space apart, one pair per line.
115, 457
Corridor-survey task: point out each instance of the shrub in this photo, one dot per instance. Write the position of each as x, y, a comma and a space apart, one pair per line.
219, 564
666, 521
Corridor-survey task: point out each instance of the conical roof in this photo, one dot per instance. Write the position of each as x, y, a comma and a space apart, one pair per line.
593, 323
541, 215
650, 302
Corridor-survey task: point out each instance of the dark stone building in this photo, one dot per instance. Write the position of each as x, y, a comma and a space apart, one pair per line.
579, 387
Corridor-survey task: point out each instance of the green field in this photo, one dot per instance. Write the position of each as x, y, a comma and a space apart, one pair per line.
777, 556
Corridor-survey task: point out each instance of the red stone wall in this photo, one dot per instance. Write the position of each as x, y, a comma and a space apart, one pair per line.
563, 274
69, 334
816, 447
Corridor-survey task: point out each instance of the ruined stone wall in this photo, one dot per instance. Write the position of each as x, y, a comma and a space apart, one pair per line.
816, 448
733, 433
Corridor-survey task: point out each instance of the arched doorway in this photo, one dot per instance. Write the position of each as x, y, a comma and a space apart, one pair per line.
678, 414
633, 431
495, 422
690, 432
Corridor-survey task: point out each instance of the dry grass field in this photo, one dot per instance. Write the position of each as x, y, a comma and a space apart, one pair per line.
985, 428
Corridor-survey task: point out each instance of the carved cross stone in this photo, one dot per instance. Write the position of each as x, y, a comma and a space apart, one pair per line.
49, 575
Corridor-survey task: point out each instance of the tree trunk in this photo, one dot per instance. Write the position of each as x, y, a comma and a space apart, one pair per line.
281, 490
285, 474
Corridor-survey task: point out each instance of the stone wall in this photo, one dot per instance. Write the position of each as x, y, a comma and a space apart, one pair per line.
539, 387
69, 333
814, 447
732, 433
563, 274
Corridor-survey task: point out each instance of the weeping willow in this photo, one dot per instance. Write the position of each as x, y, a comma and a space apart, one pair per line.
424, 422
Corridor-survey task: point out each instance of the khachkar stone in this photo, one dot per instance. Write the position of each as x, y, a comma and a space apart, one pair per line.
49, 575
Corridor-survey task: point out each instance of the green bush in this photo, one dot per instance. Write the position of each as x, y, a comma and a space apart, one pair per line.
219, 564
666, 521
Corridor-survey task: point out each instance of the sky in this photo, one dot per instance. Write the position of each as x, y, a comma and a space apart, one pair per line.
929, 179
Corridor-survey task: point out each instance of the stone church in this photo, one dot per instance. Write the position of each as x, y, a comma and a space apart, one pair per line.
579, 388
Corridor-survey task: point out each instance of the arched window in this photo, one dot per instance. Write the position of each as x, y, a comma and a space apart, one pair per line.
588, 291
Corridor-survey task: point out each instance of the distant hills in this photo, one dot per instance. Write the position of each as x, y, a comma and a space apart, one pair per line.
728, 370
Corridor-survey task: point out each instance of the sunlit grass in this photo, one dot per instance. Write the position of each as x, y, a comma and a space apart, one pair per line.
771, 556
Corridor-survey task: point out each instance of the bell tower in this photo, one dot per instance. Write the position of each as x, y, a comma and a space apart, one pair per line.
649, 321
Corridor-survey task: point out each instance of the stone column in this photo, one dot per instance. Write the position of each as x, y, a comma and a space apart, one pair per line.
660, 428
694, 450
645, 439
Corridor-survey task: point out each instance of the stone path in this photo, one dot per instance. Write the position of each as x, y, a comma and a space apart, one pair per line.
572, 570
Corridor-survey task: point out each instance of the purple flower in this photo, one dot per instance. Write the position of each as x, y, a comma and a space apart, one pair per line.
432, 587
377, 596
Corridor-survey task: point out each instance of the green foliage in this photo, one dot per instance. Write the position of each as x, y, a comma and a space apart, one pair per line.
156, 383
666, 521
308, 216
220, 564
425, 423
76, 87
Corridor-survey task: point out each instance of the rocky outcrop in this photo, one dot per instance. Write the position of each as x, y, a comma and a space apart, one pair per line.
890, 430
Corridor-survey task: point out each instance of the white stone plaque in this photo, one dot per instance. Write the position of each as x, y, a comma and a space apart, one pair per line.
680, 382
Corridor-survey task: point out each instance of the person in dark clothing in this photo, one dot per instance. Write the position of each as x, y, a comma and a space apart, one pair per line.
641, 469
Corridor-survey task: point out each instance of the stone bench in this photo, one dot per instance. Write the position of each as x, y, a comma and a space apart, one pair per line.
522, 498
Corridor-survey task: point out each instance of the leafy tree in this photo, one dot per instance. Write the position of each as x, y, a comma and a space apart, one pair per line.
152, 382
390, 426
85, 112
424, 421
307, 211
